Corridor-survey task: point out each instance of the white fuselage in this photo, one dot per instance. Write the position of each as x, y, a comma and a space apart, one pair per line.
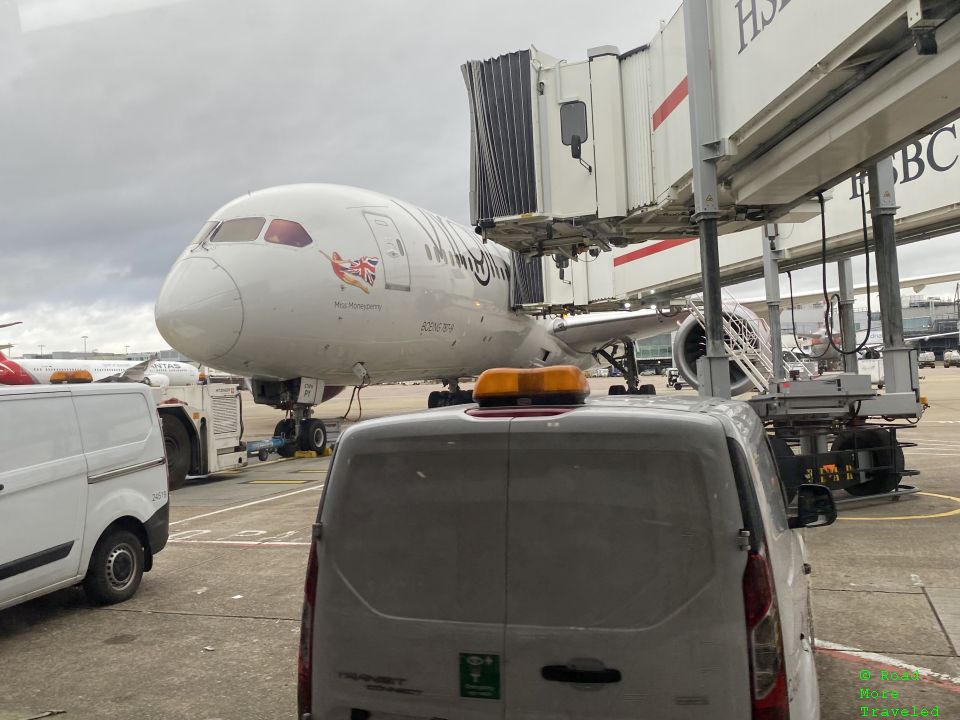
436, 304
41, 371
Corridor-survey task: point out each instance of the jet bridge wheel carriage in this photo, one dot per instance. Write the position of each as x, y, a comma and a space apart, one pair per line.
863, 461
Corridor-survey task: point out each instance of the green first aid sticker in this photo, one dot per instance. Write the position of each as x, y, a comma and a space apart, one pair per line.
480, 676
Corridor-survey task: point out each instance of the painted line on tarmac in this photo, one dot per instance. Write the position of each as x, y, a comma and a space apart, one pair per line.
276, 482
311, 471
241, 543
908, 517
851, 654
249, 504
268, 462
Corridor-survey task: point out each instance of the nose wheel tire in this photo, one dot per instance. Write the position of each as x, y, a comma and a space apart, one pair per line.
115, 569
286, 430
313, 435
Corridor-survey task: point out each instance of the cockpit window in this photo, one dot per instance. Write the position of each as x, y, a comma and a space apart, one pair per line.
287, 232
204, 231
239, 230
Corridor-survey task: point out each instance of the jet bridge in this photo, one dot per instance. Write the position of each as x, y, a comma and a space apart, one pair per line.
734, 115
566, 156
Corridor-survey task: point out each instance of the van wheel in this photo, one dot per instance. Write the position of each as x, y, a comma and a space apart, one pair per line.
176, 443
883, 480
284, 429
313, 436
116, 568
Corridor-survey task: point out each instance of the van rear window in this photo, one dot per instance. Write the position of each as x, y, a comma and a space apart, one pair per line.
421, 534
611, 539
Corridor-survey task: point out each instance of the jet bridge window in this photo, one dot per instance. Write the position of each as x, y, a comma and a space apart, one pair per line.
287, 232
239, 230
573, 121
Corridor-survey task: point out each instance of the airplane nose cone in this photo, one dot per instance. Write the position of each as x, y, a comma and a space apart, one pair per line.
199, 311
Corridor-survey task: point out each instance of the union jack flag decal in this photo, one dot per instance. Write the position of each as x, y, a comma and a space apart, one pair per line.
360, 273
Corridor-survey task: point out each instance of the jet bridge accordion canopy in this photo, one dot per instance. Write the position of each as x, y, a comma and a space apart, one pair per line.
502, 156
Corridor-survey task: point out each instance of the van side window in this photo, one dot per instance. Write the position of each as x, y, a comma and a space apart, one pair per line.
37, 430
129, 414
770, 477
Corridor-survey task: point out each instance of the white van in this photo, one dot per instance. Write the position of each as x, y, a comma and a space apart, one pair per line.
541, 556
83, 490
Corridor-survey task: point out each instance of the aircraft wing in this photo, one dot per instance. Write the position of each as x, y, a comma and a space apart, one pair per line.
3, 325
134, 373
918, 283
586, 333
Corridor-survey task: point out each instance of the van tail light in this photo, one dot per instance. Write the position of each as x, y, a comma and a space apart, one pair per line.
305, 656
768, 675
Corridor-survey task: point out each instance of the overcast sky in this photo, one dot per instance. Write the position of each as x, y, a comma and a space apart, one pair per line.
125, 123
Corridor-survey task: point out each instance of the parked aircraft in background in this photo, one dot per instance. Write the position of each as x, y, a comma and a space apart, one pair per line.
41, 371
311, 288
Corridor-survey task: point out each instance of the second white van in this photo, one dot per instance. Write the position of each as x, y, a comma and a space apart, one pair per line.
83, 490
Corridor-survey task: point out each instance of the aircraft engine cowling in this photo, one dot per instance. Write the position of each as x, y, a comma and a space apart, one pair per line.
690, 344
156, 380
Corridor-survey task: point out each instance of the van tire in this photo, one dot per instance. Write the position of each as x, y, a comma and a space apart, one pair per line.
176, 444
115, 569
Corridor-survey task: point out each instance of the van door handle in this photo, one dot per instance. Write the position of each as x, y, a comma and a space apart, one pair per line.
563, 673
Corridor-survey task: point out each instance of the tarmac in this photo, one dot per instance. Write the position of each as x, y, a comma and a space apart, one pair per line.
212, 633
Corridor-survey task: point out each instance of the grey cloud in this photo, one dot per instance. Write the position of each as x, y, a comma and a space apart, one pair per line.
121, 135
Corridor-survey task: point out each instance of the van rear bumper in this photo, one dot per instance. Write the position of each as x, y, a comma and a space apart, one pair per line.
158, 528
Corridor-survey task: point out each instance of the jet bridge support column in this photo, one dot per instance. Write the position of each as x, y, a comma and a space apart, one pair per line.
713, 370
771, 276
899, 362
848, 327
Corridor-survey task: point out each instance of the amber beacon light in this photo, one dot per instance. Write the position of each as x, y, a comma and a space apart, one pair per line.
559, 385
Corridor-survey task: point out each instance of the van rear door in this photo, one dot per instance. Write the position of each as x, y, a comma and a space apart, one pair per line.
410, 603
43, 493
624, 574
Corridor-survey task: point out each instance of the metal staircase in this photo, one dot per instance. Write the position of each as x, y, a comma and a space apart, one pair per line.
746, 338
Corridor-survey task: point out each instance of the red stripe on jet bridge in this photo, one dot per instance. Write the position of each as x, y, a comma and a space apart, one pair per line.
670, 104
646, 251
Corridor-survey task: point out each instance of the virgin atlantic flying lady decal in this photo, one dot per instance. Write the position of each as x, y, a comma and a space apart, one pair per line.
360, 273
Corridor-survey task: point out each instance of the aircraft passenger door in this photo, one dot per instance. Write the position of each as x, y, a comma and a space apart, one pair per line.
393, 252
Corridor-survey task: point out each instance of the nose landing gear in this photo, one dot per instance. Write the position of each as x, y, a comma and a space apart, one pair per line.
447, 398
301, 432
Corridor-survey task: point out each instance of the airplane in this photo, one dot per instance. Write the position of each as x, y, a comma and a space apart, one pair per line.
311, 288
158, 373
